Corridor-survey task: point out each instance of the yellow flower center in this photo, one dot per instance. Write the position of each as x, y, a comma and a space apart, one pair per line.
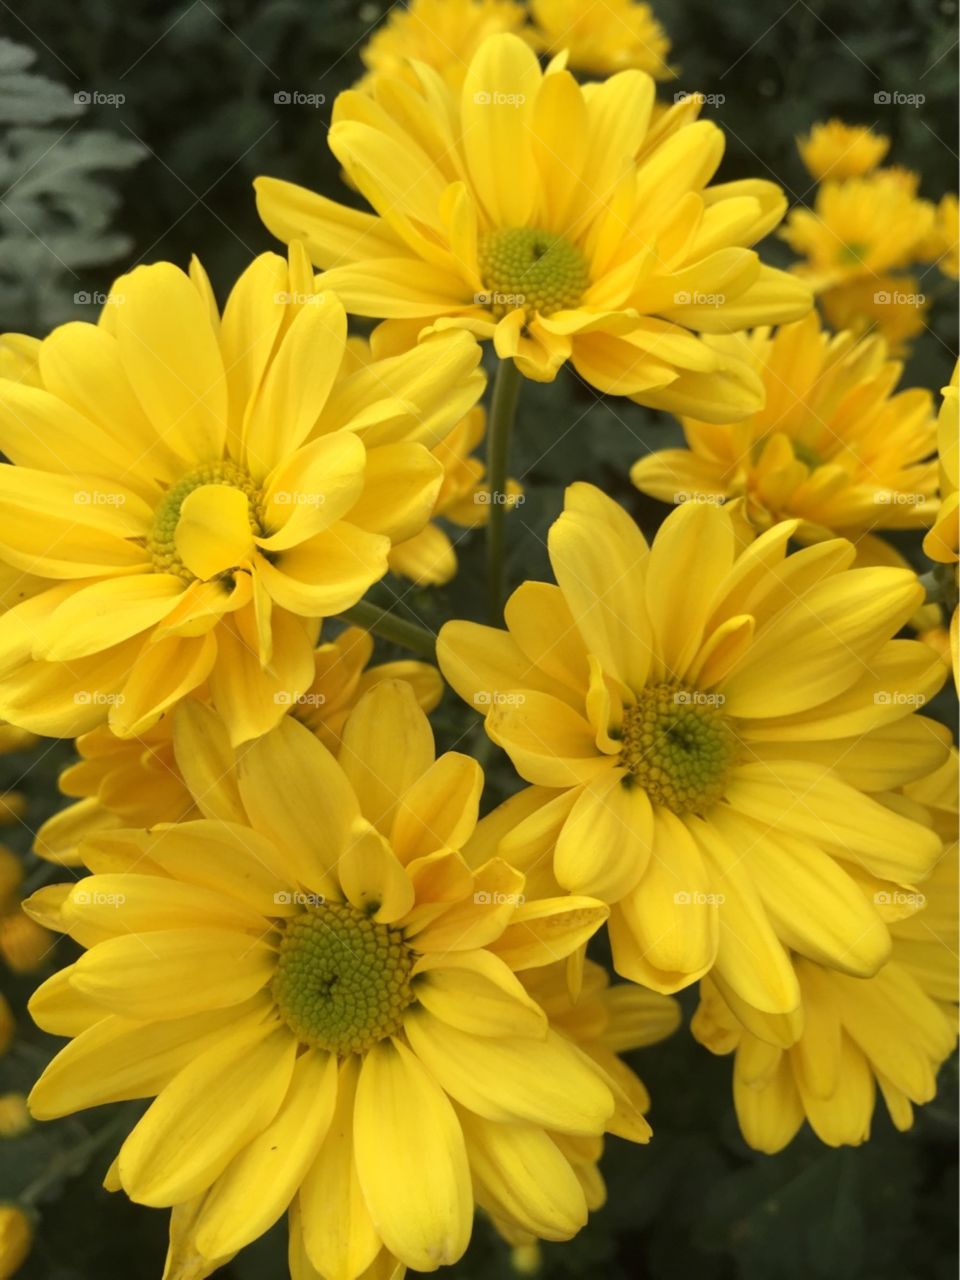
343, 980
532, 270
162, 541
678, 746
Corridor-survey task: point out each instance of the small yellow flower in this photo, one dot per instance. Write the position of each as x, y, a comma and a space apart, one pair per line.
516, 210
604, 36
197, 492
16, 1239
942, 246
706, 728
856, 1036
360, 1047
120, 782
443, 34
892, 306
837, 150
868, 226
833, 446
14, 1116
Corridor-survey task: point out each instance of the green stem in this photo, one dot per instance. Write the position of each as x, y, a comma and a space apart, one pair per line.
386, 624
506, 392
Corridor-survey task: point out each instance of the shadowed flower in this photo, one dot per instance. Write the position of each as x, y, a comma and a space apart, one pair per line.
890, 1032
122, 782
199, 491
833, 446
554, 219
704, 728
360, 1047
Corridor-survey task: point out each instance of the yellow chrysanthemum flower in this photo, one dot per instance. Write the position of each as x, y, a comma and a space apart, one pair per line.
122, 782
711, 725
360, 1046
553, 219
24, 944
942, 543
861, 227
833, 446
442, 34
892, 306
837, 150
199, 491
15, 1119
429, 558
890, 1032
603, 37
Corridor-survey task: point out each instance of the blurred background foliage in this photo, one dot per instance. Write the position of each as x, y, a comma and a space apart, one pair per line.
131, 133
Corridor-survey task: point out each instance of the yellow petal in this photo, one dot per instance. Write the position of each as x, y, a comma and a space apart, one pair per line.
411, 1160
477, 993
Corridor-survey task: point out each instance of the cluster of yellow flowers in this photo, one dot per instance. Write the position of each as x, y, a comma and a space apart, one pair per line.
866, 234
350, 998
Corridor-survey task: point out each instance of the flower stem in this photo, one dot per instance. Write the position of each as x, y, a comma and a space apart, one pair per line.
387, 625
506, 392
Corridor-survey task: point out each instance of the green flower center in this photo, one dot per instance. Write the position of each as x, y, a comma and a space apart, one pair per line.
533, 270
162, 544
343, 980
678, 746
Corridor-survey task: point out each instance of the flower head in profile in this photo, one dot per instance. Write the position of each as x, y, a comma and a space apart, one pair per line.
856, 1037
603, 38
123, 782
361, 1049
837, 150
706, 727
554, 219
193, 492
942, 543
834, 446
442, 34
